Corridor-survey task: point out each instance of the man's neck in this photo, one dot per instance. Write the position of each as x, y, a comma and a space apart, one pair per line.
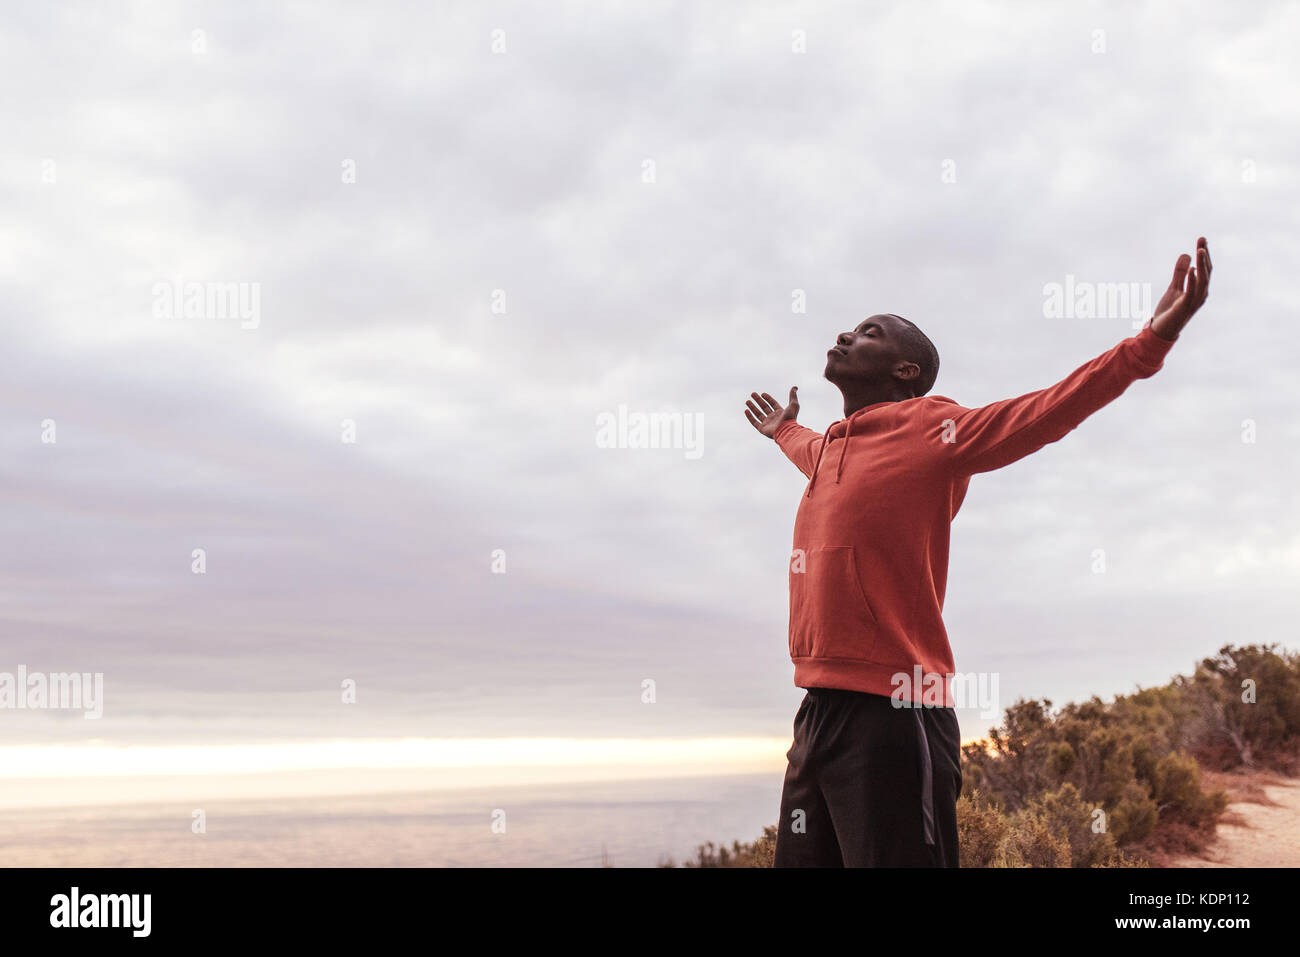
860, 400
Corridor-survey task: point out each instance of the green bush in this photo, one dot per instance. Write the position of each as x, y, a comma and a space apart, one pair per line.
758, 854
982, 832
1245, 708
1033, 843
1137, 760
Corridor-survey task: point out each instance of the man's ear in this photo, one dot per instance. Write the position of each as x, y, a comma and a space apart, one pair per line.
907, 370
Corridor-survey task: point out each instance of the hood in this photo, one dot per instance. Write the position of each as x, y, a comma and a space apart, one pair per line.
844, 427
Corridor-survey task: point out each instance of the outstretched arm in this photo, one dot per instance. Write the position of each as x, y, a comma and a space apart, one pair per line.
996, 435
799, 444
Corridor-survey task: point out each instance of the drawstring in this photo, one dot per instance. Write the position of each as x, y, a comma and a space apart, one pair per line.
813, 481
839, 468
848, 430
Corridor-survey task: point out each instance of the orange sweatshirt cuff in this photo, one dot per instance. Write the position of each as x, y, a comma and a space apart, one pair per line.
1150, 348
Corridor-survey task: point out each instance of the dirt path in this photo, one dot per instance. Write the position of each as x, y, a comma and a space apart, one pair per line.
1261, 827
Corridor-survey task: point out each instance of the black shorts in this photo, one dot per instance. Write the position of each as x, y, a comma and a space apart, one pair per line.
869, 784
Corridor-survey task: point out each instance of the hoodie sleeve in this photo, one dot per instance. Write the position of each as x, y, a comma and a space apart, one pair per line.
800, 445
996, 435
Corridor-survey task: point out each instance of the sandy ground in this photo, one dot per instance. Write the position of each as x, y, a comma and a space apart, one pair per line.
1260, 828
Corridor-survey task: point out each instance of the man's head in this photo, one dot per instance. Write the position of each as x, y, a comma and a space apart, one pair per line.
885, 354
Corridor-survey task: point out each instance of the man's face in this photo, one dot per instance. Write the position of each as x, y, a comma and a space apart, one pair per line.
870, 352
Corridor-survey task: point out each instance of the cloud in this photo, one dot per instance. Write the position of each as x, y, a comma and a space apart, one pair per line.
485, 179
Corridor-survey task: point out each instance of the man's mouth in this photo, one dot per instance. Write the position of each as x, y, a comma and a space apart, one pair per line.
837, 351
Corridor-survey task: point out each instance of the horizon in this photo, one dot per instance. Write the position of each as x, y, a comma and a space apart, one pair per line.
42, 776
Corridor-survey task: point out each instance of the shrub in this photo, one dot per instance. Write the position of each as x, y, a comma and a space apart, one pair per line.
1245, 708
981, 832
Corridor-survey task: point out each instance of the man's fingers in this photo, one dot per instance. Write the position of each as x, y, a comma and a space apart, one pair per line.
1180, 272
760, 407
1204, 269
1175, 290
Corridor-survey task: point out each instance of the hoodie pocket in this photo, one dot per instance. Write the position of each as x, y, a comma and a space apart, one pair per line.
830, 616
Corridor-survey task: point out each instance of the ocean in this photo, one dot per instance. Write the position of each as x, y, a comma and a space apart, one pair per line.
623, 823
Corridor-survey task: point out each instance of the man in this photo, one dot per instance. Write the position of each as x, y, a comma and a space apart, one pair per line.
874, 771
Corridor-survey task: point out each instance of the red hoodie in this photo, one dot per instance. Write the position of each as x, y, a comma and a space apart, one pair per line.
870, 559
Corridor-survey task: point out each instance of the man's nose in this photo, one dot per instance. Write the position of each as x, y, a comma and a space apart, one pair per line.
844, 339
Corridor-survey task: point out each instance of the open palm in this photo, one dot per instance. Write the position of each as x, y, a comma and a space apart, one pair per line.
767, 415
1186, 293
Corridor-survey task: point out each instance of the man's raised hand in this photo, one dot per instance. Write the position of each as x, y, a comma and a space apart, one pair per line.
766, 415
1179, 303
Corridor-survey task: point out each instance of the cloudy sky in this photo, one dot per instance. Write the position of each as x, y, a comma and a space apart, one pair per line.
473, 229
